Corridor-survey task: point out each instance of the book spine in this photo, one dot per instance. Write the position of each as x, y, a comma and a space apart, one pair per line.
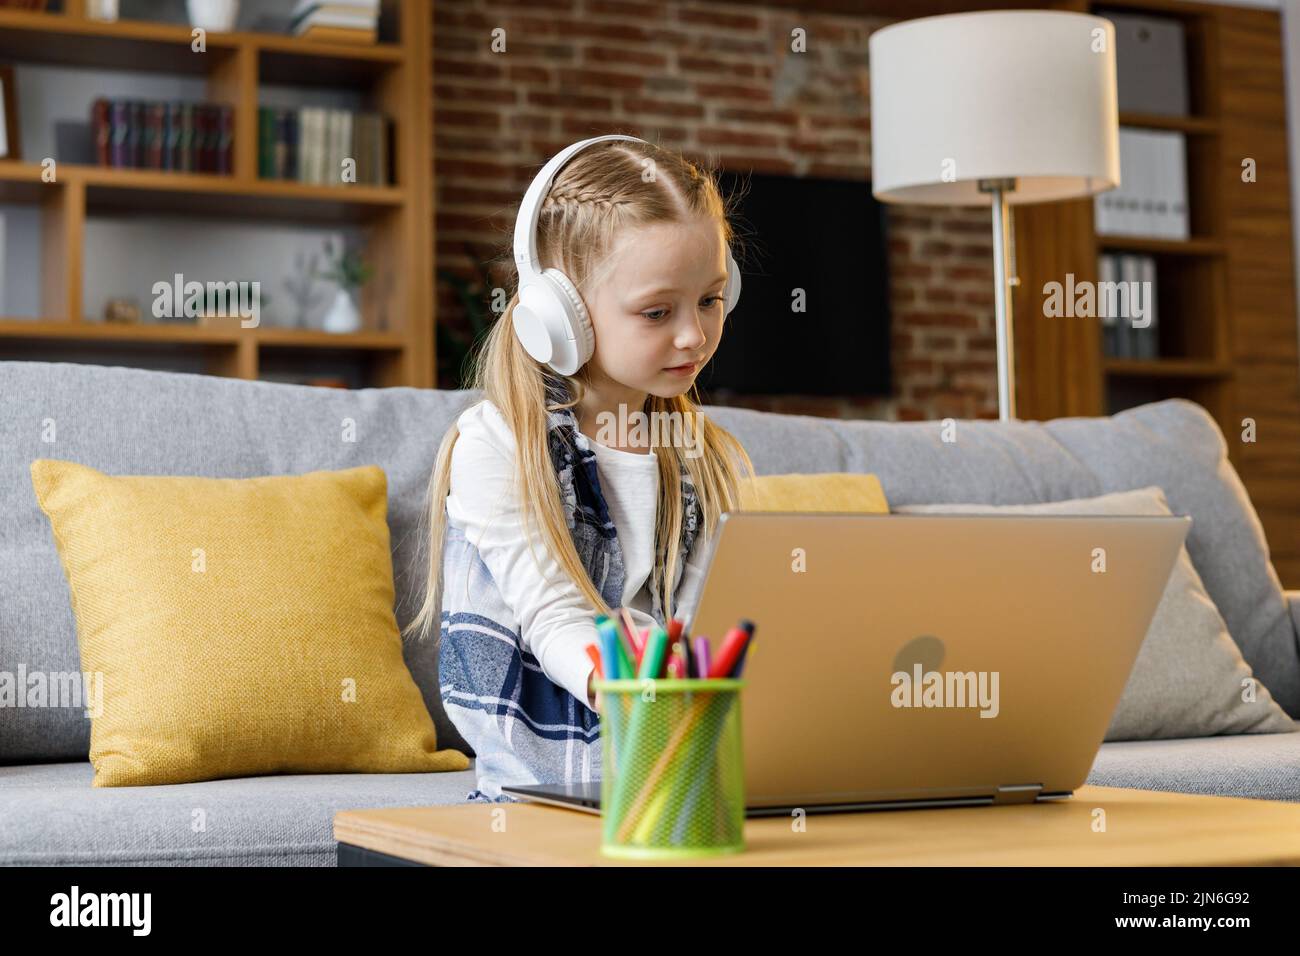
1176, 186
208, 140
291, 144
1146, 224
1149, 336
198, 137
265, 143
281, 144
308, 145
331, 171
136, 134
120, 133
321, 165
174, 136
185, 144
154, 135
1107, 274
101, 126
1129, 274
357, 147
345, 151
324, 159
225, 140
167, 157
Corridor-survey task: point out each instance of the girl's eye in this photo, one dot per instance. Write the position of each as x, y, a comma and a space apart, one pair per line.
709, 301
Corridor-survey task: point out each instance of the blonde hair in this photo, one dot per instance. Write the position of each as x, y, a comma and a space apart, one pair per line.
599, 192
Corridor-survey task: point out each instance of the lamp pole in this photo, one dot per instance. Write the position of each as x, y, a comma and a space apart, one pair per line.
1003, 264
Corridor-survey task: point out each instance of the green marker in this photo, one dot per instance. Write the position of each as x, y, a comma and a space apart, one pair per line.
653, 658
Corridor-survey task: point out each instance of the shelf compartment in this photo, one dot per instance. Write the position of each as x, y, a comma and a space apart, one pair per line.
288, 60
360, 368
207, 357
121, 45
1212, 394
165, 47
1189, 298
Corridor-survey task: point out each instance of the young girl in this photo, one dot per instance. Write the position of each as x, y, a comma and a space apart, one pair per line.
542, 525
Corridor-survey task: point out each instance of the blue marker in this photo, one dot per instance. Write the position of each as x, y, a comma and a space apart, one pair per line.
608, 635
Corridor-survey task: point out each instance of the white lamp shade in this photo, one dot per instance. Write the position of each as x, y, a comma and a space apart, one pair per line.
969, 96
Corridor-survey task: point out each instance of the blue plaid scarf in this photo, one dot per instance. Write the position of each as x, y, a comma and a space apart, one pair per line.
522, 727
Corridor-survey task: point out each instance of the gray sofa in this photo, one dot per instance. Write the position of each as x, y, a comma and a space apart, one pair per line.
129, 421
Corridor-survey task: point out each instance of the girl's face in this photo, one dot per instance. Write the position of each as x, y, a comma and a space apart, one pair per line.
660, 305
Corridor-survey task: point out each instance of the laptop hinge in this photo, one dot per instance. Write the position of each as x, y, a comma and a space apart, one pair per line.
1018, 793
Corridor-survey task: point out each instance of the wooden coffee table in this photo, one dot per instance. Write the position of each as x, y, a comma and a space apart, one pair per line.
1141, 828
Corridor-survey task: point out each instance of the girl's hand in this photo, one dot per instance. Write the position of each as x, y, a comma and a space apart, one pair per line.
594, 701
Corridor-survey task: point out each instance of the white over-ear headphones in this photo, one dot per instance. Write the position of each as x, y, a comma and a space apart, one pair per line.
550, 317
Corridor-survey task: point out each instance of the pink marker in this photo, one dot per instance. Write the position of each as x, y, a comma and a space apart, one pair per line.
701, 656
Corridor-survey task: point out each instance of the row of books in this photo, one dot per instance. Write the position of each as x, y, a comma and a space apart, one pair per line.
178, 136
336, 21
1152, 196
314, 144
1129, 316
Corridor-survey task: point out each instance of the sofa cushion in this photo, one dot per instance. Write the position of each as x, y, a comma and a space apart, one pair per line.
1188, 677
140, 422
1263, 766
237, 627
50, 815
835, 491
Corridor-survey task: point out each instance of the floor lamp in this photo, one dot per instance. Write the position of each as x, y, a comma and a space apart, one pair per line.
994, 109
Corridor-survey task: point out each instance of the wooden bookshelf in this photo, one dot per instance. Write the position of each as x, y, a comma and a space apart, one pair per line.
397, 219
1226, 295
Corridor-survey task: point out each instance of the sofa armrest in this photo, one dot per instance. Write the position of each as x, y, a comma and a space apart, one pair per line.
1293, 602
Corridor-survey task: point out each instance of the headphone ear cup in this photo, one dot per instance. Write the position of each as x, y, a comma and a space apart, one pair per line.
577, 319
537, 318
732, 294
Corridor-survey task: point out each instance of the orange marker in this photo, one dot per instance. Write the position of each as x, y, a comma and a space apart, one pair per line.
594, 653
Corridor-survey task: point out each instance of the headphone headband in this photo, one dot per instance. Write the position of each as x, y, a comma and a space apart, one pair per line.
531, 208
550, 319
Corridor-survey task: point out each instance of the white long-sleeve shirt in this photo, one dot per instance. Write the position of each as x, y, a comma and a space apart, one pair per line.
556, 623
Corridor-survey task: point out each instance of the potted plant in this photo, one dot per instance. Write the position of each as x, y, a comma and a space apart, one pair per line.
350, 272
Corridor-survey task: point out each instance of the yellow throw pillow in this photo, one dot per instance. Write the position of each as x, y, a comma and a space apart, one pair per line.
241, 626
833, 491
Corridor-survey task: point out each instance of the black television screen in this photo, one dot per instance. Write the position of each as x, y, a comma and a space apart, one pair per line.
825, 237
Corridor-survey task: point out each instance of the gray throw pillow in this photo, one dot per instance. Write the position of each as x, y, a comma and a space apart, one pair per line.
1189, 679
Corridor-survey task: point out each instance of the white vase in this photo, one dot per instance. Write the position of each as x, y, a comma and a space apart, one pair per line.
101, 9
343, 316
216, 15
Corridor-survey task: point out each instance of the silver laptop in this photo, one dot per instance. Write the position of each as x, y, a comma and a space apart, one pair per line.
925, 660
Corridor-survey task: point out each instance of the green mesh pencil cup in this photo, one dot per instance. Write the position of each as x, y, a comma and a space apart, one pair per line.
672, 777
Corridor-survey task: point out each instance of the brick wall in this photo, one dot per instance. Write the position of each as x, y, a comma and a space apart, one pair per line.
721, 83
